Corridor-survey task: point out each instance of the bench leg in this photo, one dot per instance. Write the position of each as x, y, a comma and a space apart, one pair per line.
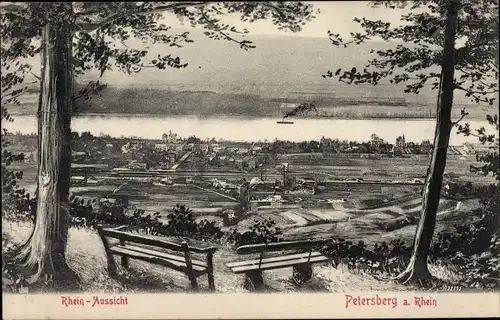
254, 281
111, 264
210, 264
302, 273
125, 262
194, 282
211, 281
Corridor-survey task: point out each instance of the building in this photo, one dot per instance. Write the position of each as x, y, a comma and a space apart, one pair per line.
129, 147
169, 137
161, 146
205, 148
250, 163
171, 157
274, 201
239, 163
177, 147
426, 147
255, 149
242, 151
137, 165
376, 140
222, 160
399, 146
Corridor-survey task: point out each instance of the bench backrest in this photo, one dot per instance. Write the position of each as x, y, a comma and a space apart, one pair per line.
123, 236
279, 246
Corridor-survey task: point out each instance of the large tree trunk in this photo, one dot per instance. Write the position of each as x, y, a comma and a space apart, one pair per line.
417, 269
43, 255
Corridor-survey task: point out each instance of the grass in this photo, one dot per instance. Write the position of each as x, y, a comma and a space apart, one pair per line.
86, 256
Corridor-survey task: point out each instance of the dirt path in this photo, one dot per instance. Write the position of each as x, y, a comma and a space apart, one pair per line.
299, 221
217, 193
181, 160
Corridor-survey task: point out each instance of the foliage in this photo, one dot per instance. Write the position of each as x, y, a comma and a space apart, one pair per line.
301, 109
180, 222
414, 61
474, 251
398, 223
14, 198
93, 35
260, 232
383, 258
474, 246
490, 159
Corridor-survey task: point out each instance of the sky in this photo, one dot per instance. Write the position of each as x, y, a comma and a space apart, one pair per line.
334, 15
224, 62
280, 62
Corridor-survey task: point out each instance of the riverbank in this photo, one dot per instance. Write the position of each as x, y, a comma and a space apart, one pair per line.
359, 112
250, 129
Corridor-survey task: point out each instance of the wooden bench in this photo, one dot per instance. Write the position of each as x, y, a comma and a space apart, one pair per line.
301, 262
129, 247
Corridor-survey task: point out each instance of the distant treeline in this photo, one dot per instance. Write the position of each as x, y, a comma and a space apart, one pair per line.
158, 101
142, 100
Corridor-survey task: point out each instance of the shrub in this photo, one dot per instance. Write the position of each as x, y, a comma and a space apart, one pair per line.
181, 222
384, 258
18, 206
397, 223
474, 249
260, 232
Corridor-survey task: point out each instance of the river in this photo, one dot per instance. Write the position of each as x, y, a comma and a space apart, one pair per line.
250, 129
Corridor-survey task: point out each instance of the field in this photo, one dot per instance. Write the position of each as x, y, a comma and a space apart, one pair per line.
364, 216
359, 224
368, 210
161, 198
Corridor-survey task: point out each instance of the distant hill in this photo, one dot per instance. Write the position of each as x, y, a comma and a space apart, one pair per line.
160, 101
221, 78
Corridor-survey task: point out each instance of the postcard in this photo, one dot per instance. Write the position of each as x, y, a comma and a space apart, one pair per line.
240, 160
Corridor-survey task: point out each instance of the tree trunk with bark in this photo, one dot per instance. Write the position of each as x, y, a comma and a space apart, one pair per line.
42, 258
417, 270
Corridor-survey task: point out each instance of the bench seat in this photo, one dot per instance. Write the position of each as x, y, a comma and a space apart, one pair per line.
168, 260
152, 249
276, 262
301, 263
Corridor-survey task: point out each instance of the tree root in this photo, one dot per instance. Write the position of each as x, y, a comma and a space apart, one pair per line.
45, 272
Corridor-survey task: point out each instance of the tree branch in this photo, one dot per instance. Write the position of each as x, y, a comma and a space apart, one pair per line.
456, 86
477, 45
216, 28
464, 114
34, 75
88, 26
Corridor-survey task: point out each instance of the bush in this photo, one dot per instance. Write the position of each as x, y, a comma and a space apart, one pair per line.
180, 223
260, 232
384, 258
474, 250
18, 206
397, 223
